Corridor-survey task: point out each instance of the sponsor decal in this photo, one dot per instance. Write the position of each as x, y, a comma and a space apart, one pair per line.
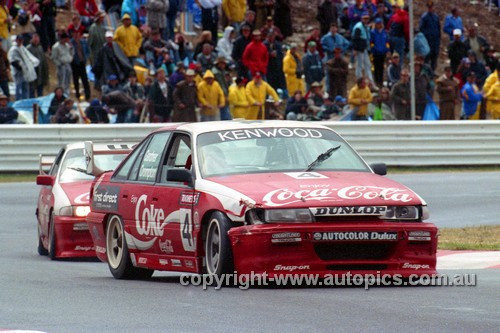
106, 198
286, 237
356, 235
305, 175
186, 229
133, 199
416, 267
284, 196
419, 236
245, 134
149, 221
189, 198
163, 262
189, 263
147, 173
349, 210
166, 246
84, 248
150, 156
290, 268
100, 249
196, 219
176, 262
83, 198
142, 261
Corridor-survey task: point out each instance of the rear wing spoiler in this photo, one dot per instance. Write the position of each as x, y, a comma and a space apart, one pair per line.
91, 149
44, 163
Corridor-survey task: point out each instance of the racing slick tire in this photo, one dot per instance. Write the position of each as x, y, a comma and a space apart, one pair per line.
119, 262
41, 249
218, 251
52, 239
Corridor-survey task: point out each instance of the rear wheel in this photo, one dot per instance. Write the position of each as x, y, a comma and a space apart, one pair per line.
218, 252
41, 249
52, 239
119, 261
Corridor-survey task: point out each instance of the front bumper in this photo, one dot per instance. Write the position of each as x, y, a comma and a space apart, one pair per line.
73, 237
303, 253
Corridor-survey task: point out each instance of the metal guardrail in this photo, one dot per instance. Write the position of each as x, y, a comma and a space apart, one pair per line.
397, 143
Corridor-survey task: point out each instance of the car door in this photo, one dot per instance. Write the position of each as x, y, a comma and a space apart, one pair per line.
177, 200
139, 208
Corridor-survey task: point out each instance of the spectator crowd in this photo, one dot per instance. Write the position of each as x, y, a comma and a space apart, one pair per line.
245, 62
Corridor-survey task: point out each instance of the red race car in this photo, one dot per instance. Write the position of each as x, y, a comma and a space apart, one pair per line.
266, 196
63, 202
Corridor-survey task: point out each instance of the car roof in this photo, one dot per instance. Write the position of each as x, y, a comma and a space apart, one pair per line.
101, 145
211, 126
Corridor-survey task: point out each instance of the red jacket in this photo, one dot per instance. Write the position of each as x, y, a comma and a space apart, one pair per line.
86, 7
401, 17
256, 57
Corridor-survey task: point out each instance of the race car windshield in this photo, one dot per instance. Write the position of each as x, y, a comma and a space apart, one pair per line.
264, 150
73, 167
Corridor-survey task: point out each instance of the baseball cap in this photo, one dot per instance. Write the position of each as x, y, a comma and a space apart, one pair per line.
341, 99
378, 20
109, 34
190, 72
457, 32
112, 77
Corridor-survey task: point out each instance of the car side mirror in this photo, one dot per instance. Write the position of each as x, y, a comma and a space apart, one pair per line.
379, 168
45, 180
180, 175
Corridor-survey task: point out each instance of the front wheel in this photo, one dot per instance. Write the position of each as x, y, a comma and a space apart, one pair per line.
119, 261
218, 252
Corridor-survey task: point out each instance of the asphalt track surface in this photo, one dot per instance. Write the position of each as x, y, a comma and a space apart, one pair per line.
81, 296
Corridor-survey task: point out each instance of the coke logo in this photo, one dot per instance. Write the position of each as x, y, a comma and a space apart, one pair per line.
374, 192
284, 196
151, 221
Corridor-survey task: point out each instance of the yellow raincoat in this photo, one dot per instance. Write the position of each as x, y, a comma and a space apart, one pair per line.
289, 68
490, 81
356, 95
234, 9
210, 96
493, 97
238, 102
129, 39
258, 94
4, 26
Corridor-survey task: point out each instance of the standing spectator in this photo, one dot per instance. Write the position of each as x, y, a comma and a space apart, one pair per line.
210, 16
225, 44
269, 27
255, 56
96, 113
210, 97
4, 72
382, 14
490, 60
492, 94
8, 115
422, 89
23, 63
257, 90
238, 102
332, 40
399, 31
250, 19
132, 7
470, 96
393, 70
223, 77
380, 49
476, 43
173, 8
315, 37
453, 22
56, 101
62, 56
292, 67
431, 28
359, 98
234, 11
179, 74
160, 98
263, 9
338, 70
42, 70
478, 68
401, 96
207, 57
157, 15
87, 10
239, 47
449, 94
282, 17
75, 25
79, 63
129, 38
110, 60
360, 46
275, 75
64, 114
96, 39
35, 15
356, 12
326, 15
5, 23
457, 50
313, 66
185, 99
48, 35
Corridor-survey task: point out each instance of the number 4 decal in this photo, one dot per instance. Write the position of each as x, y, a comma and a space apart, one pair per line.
186, 229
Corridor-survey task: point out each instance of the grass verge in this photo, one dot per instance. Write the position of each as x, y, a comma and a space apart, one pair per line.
484, 237
17, 177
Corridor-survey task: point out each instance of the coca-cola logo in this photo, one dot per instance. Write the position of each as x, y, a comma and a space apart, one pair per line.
149, 221
282, 197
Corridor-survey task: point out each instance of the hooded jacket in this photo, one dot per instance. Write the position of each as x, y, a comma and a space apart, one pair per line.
210, 96
238, 102
258, 93
225, 45
293, 79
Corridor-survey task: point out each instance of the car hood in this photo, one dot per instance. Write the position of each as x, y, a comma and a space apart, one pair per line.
314, 189
77, 192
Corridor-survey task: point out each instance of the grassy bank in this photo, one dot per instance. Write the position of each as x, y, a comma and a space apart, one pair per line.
470, 238
17, 177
